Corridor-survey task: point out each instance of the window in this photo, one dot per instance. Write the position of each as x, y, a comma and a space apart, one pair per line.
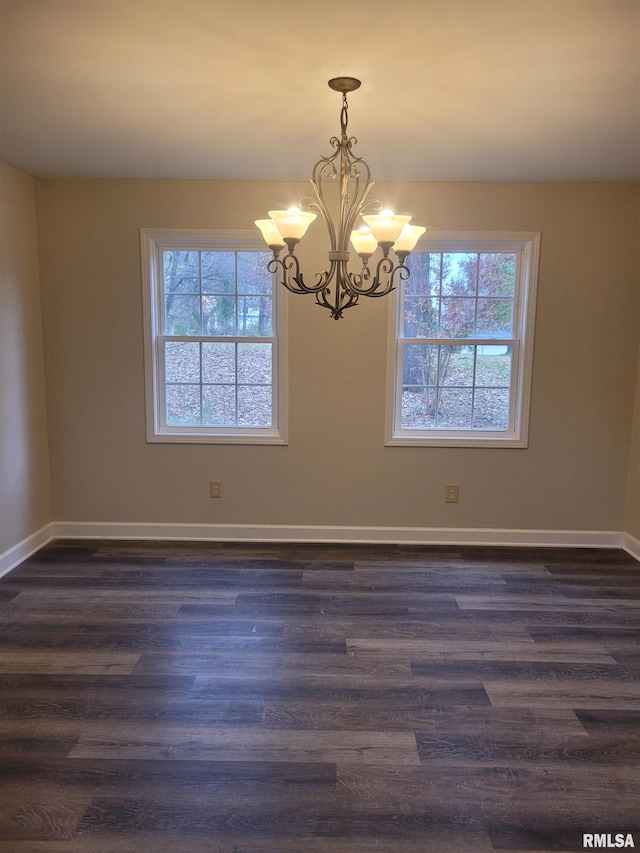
214, 339
461, 350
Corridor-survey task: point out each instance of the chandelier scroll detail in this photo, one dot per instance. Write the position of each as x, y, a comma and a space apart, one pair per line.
338, 288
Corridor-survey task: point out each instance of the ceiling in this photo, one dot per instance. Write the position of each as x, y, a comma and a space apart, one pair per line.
452, 90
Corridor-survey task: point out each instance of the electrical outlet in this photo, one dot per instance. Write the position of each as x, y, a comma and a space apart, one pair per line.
452, 493
215, 489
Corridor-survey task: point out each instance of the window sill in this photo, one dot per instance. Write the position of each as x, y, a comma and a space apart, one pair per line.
208, 438
494, 442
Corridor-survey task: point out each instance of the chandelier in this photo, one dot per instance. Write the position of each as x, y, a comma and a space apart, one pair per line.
337, 288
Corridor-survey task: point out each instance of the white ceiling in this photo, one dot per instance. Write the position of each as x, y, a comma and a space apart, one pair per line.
452, 90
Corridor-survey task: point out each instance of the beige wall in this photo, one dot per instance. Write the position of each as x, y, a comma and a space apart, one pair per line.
335, 470
25, 504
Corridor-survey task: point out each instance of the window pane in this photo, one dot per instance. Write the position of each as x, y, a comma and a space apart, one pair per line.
420, 364
181, 272
219, 315
458, 317
253, 275
182, 362
497, 274
445, 375
425, 274
218, 405
254, 315
182, 315
491, 409
493, 367
494, 317
418, 407
254, 364
218, 362
459, 273
454, 408
183, 405
421, 318
218, 272
456, 366
254, 406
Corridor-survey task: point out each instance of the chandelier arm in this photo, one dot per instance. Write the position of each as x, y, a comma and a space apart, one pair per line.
386, 278
383, 274
292, 278
355, 281
399, 273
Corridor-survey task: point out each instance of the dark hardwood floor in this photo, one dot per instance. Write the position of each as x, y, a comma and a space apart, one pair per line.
192, 697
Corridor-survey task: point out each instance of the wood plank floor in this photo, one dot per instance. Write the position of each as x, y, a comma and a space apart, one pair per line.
203, 698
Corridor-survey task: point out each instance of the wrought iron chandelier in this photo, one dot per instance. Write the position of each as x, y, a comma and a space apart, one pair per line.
337, 288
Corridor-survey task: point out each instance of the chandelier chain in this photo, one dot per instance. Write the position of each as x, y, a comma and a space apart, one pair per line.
344, 118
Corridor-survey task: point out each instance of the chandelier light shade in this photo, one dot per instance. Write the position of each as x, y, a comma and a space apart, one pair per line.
338, 288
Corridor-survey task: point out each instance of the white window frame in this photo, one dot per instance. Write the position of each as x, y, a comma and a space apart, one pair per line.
526, 246
153, 241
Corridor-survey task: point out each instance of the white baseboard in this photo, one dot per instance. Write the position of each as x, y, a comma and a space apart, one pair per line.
19, 553
356, 535
631, 545
317, 534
